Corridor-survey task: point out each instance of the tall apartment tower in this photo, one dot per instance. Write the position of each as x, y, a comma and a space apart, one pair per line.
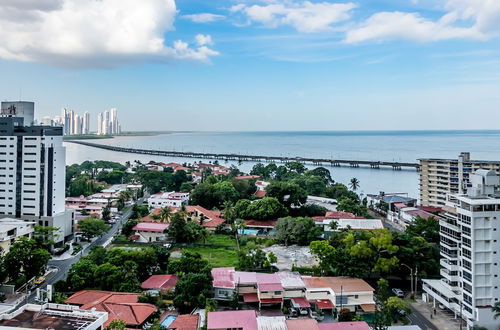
470, 252
99, 124
86, 123
439, 177
114, 121
32, 174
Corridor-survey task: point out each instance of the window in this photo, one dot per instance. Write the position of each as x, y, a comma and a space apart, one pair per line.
467, 276
277, 292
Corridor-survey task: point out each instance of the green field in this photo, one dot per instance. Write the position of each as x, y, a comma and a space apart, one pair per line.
218, 239
218, 257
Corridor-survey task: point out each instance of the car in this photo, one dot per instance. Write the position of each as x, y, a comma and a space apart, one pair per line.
40, 280
167, 245
398, 292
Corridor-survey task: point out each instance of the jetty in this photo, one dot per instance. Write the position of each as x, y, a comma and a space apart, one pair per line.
256, 158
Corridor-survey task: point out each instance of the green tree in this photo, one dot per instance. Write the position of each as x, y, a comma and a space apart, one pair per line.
266, 208
117, 324
325, 253
177, 229
192, 290
382, 293
288, 194
428, 228
108, 276
92, 227
351, 206
300, 231
44, 236
254, 259
127, 227
345, 315
81, 274
25, 259
165, 214
106, 214
354, 184
395, 309
496, 310
190, 262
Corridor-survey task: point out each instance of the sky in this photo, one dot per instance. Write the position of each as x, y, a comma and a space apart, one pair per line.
273, 65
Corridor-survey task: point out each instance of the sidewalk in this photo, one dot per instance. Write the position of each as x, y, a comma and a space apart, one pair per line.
442, 320
69, 254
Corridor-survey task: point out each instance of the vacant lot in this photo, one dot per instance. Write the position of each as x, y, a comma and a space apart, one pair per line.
218, 239
292, 255
217, 257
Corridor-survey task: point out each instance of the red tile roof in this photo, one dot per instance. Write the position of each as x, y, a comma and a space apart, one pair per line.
157, 227
301, 324
250, 297
223, 277
244, 319
260, 193
347, 284
118, 305
324, 303
359, 325
185, 322
301, 302
339, 215
214, 217
257, 223
161, 282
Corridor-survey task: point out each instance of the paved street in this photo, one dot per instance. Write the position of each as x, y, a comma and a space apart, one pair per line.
418, 319
63, 266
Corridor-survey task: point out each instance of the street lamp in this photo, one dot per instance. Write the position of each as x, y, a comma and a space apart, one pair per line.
411, 276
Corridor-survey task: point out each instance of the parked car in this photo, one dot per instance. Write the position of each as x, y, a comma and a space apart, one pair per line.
398, 292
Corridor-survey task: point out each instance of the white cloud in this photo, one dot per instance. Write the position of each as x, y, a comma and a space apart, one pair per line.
203, 39
204, 17
464, 19
91, 33
304, 16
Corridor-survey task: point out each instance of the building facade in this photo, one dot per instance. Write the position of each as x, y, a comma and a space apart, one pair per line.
439, 177
32, 175
469, 244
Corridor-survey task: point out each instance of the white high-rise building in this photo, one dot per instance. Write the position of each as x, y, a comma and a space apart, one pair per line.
114, 121
99, 124
107, 122
19, 109
470, 251
32, 175
86, 123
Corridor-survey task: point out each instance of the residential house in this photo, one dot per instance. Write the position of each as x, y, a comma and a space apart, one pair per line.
229, 320
164, 199
160, 283
209, 219
147, 232
118, 305
185, 322
384, 202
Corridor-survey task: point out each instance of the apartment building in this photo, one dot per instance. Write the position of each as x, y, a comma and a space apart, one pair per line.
13, 229
470, 246
439, 177
32, 174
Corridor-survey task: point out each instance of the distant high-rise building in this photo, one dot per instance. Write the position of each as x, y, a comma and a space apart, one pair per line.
86, 123
439, 177
107, 122
32, 173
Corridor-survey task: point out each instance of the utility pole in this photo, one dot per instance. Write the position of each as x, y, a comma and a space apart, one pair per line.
416, 280
411, 276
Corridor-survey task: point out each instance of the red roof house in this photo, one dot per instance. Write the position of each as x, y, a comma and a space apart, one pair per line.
185, 322
160, 282
118, 305
157, 227
243, 319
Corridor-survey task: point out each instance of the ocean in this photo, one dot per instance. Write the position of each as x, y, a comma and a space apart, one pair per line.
400, 146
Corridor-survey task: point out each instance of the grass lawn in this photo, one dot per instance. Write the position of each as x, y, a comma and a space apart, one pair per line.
218, 257
219, 239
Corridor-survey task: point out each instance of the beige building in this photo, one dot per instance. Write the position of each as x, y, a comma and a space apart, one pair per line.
439, 177
13, 229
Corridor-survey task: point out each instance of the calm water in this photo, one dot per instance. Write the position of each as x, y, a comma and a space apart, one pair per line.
403, 146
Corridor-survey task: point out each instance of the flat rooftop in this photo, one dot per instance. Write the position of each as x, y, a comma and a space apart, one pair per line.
46, 320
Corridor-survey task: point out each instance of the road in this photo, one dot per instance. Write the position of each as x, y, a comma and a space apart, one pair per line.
417, 318
63, 266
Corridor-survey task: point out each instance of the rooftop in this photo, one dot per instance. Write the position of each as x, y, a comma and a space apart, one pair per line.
159, 227
338, 284
161, 282
185, 322
243, 319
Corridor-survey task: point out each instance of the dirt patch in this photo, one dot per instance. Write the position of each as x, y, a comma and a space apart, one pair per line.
292, 255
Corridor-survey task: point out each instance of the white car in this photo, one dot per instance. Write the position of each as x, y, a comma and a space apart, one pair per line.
398, 292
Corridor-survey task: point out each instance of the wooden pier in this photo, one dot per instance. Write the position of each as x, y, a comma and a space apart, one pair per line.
256, 158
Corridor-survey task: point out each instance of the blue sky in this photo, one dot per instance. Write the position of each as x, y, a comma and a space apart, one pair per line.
257, 65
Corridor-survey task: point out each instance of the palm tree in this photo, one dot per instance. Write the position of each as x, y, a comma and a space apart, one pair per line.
203, 234
354, 184
237, 225
496, 309
165, 214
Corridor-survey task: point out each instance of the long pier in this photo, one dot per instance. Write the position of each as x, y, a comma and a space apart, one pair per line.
256, 158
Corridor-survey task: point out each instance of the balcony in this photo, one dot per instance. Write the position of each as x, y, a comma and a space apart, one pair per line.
445, 273
449, 224
445, 264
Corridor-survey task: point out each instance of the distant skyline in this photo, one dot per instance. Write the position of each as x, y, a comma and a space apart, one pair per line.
286, 65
